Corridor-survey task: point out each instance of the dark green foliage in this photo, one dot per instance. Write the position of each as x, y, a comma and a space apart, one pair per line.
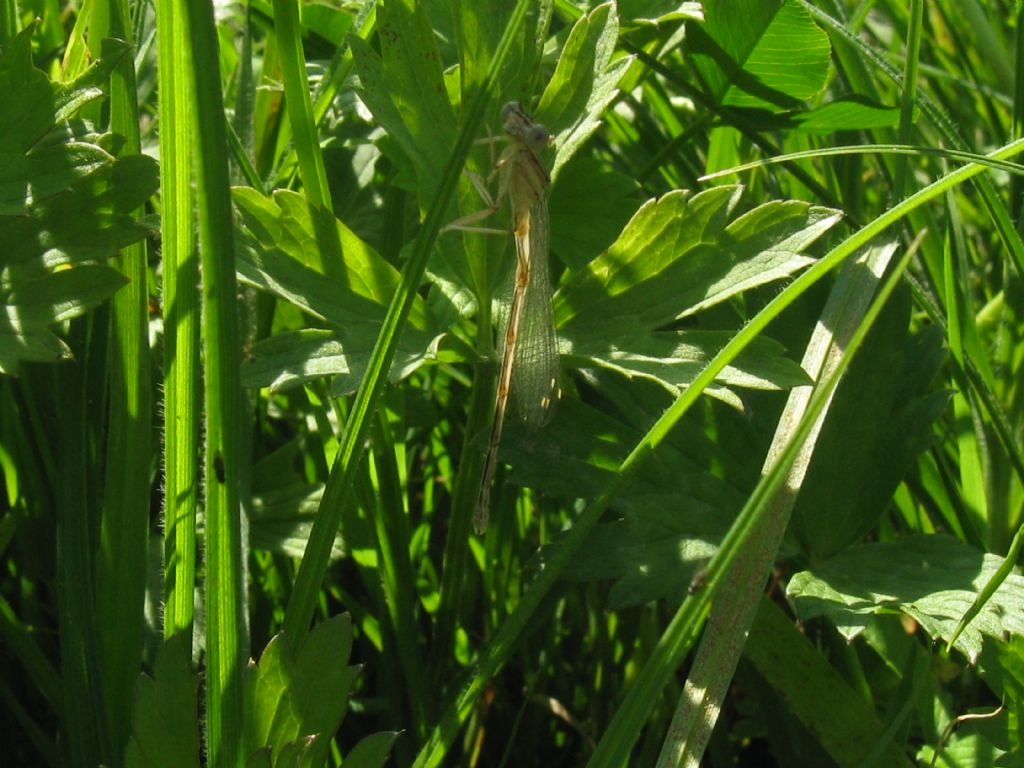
746, 196
65, 204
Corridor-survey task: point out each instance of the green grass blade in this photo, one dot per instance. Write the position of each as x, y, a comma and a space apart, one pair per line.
297, 102
396, 571
124, 533
84, 707
848, 728
733, 612
337, 73
909, 89
993, 202
1007, 567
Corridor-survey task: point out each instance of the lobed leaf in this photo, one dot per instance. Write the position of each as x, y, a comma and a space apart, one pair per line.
933, 579
675, 358
64, 200
293, 696
404, 88
280, 520
284, 229
584, 83
165, 720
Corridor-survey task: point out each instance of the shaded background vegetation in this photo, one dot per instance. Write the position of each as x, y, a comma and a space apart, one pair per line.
248, 390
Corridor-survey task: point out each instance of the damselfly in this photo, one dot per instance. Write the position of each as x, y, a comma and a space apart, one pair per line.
529, 355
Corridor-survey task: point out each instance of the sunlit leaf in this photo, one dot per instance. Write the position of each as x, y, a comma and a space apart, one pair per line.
751, 53
65, 201
292, 695
583, 84
285, 228
933, 579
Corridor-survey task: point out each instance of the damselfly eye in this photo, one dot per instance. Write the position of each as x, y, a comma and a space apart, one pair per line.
537, 135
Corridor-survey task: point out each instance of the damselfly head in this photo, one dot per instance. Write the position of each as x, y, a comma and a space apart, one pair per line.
510, 109
521, 127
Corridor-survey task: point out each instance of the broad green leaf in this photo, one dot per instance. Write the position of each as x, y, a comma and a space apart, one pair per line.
680, 254
285, 228
589, 205
648, 561
331, 22
33, 298
584, 83
675, 358
752, 53
50, 168
289, 359
371, 752
850, 114
404, 88
41, 346
31, 303
165, 720
51, 173
328, 21
87, 220
65, 201
666, 531
29, 97
294, 695
261, 758
836, 714
476, 30
301, 753
1001, 666
581, 448
933, 579
879, 422
90, 84
285, 222
967, 750
280, 520
47, 297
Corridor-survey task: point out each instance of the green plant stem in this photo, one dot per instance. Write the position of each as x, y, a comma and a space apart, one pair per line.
181, 324
337, 72
464, 495
225, 644
1016, 183
909, 92
300, 109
